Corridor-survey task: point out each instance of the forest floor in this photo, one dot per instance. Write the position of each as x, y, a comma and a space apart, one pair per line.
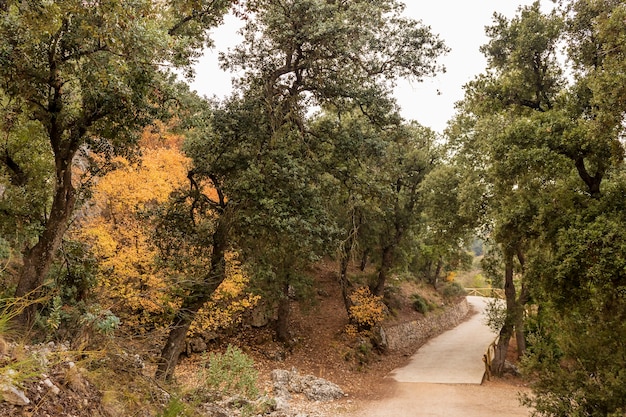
120, 383
322, 348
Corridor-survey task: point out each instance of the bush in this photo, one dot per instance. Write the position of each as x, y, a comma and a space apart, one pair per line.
175, 408
420, 304
232, 373
452, 290
367, 310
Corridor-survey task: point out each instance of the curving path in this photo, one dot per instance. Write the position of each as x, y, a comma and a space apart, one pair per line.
454, 357
444, 378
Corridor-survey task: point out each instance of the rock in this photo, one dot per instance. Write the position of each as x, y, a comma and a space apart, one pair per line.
379, 339
195, 345
13, 395
281, 404
280, 378
315, 389
319, 389
53, 388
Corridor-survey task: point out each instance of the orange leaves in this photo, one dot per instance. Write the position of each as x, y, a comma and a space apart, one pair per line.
143, 295
367, 311
159, 136
133, 186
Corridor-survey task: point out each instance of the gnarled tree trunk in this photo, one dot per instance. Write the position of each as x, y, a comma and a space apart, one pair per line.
344, 282
514, 321
39, 258
383, 273
284, 309
194, 301
506, 332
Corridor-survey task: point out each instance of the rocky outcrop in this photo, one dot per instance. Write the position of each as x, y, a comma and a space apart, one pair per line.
417, 332
313, 388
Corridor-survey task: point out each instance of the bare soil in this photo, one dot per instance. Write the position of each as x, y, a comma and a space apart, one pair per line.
320, 345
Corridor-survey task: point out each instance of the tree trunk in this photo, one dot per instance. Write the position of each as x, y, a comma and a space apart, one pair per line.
176, 338
39, 258
520, 333
522, 300
198, 296
282, 323
435, 278
344, 282
383, 273
364, 257
502, 347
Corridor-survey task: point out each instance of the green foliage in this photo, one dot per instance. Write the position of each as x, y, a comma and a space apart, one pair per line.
574, 368
452, 290
420, 304
277, 165
70, 305
79, 82
175, 408
231, 372
495, 314
548, 153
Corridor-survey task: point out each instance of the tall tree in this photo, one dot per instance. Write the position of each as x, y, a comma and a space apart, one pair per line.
497, 137
354, 149
552, 153
409, 156
88, 74
258, 149
578, 276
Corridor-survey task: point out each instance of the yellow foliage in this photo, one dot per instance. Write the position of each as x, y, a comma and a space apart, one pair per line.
128, 277
451, 276
228, 302
367, 311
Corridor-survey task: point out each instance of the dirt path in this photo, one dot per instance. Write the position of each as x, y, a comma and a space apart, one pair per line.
444, 379
446, 400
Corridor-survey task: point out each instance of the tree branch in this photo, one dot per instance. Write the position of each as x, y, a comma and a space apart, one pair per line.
17, 175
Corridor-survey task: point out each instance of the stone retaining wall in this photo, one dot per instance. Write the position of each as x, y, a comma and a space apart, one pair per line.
417, 332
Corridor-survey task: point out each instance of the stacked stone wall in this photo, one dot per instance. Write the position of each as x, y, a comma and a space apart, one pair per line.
416, 333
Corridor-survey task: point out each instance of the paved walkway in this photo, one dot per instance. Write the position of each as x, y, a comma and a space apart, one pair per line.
444, 377
455, 357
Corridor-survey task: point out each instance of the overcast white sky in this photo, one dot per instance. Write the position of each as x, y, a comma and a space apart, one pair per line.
460, 23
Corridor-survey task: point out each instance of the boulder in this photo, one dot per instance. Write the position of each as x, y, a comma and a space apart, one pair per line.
11, 394
313, 388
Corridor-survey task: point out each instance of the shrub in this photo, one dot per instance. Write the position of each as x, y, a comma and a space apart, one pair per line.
367, 310
232, 373
495, 314
420, 304
452, 290
175, 408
